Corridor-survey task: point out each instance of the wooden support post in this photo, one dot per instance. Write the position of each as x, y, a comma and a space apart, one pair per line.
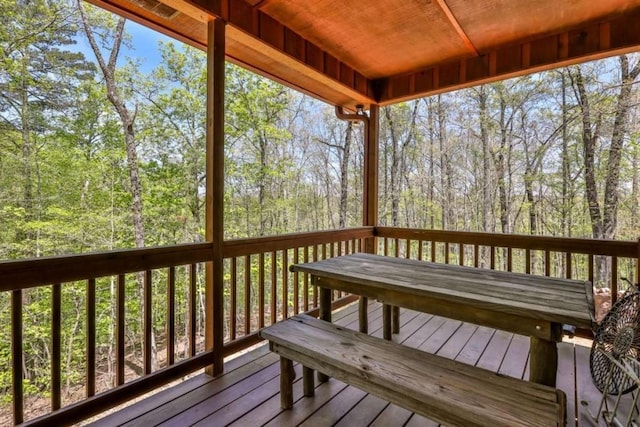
370, 196
287, 375
214, 328
308, 385
386, 321
370, 179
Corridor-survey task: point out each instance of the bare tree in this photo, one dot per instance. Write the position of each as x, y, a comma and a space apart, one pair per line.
604, 218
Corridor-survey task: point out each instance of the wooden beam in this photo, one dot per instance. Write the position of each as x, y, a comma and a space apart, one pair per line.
214, 328
456, 25
301, 55
586, 43
162, 26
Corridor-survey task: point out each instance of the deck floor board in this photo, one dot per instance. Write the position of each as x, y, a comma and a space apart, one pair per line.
248, 393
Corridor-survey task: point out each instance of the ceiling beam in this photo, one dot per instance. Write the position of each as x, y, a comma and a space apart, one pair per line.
589, 42
456, 25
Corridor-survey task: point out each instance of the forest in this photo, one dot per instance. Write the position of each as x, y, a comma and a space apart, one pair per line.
99, 151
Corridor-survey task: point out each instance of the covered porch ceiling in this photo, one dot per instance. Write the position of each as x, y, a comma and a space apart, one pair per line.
385, 51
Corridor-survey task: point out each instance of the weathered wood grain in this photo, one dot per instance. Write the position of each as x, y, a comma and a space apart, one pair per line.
432, 386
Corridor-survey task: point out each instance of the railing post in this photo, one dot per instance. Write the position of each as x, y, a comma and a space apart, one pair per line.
370, 195
214, 328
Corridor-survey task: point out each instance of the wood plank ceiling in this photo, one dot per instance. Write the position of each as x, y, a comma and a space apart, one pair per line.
385, 51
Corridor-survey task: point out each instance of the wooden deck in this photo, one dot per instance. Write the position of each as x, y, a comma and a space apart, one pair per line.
248, 393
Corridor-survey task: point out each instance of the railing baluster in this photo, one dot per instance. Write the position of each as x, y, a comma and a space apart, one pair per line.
509, 259
16, 356
332, 252
433, 251
306, 281
148, 321
527, 261
315, 288
547, 263
296, 283
171, 316
614, 279
274, 286
446, 252
420, 243
385, 241
120, 297
233, 299
247, 294
193, 271
476, 256
590, 270
408, 249
461, 252
261, 290
396, 242
285, 285
56, 331
91, 337
568, 266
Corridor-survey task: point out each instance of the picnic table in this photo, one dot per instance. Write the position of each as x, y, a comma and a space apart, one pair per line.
533, 306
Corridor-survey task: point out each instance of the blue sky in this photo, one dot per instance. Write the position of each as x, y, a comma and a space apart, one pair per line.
144, 46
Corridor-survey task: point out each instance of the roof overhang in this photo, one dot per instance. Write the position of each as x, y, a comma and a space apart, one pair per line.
349, 53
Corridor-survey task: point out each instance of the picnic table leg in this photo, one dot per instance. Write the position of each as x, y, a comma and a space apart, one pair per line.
386, 321
543, 365
325, 314
363, 309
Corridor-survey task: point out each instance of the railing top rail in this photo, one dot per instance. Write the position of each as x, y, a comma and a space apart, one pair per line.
619, 248
250, 246
22, 274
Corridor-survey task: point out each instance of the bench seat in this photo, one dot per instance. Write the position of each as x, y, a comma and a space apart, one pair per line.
441, 389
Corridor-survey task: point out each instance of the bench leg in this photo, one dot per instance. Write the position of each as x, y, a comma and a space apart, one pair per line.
287, 375
308, 385
395, 319
543, 361
386, 321
363, 310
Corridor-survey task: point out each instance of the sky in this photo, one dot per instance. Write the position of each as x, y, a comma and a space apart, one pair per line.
144, 47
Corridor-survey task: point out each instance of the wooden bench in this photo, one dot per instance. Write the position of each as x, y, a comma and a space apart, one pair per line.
443, 390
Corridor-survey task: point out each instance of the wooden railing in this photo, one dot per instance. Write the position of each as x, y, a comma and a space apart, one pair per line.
548, 256
259, 280
259, 290
57, 273
267, 287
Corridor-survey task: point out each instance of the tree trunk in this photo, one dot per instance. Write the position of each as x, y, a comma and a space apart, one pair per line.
567, 201
432, 177
501, 168
486, 174
394, 180
344, 174
127, 119
604, 221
